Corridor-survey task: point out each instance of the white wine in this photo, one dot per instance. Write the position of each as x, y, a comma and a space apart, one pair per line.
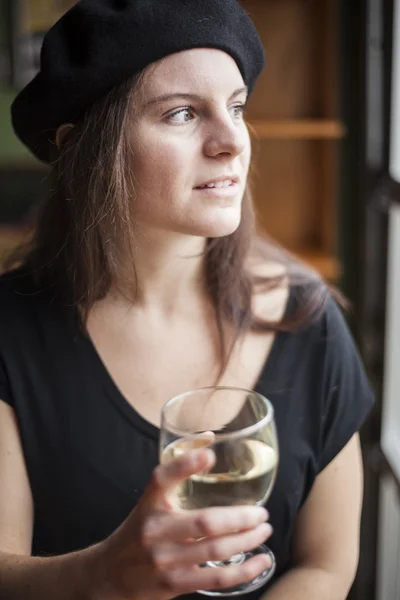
244, 473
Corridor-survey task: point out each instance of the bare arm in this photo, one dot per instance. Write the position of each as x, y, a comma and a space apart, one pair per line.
326, 540
21, 576
30, 578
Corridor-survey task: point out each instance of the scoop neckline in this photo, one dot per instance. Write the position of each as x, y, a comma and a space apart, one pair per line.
115, 395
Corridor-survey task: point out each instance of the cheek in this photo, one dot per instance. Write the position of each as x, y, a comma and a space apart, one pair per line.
155, 161
246, 155
159, 173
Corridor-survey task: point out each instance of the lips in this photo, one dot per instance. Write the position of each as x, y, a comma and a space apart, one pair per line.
219, 183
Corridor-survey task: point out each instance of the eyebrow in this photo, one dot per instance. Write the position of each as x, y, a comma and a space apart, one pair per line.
183, 96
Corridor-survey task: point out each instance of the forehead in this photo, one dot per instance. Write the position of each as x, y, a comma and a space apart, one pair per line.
200, 70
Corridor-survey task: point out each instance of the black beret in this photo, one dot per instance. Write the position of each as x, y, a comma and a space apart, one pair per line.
98, 44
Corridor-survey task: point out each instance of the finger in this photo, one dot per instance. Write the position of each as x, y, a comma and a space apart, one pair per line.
207, 522
187, 580
211, 549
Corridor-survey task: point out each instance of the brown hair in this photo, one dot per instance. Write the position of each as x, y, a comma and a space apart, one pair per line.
73, 249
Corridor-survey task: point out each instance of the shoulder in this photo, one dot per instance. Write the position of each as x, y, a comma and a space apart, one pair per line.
316, 341
17, 328
346, 395
18, 292
24, 304
317, 325
344, 370
31, 328
328, 327
14, 283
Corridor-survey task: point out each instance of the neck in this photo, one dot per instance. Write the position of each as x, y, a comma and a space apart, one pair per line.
169, 269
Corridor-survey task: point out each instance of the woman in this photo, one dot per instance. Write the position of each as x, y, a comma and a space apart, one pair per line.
144, 279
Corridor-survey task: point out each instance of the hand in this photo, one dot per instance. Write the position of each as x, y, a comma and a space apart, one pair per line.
155, 553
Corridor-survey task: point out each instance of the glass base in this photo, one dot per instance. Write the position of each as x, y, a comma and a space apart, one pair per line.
243, 588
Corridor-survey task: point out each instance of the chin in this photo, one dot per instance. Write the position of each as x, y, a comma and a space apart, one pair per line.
219, 227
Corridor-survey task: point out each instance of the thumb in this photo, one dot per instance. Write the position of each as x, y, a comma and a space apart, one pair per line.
166, 477
159, 494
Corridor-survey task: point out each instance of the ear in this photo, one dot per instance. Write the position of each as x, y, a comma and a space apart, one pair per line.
62, 133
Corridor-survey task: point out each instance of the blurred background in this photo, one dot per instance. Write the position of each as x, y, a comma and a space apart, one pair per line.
325, 119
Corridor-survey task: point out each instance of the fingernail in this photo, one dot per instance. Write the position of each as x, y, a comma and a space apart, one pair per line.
199, 456
162, 474
268, 562
267, 528
210, 455
264, 514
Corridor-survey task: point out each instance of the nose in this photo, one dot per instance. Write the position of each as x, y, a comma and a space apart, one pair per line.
226, 138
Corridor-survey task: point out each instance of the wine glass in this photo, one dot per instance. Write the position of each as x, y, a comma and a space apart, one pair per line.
238, 425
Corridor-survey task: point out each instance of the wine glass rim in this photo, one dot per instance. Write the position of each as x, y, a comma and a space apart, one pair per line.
245, 431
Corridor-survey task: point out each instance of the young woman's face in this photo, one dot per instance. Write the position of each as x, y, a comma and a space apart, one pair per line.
189, 132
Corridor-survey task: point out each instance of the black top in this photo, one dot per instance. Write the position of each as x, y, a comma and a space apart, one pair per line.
89, 454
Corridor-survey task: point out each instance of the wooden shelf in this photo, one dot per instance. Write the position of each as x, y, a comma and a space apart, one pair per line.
328, 266
291, 129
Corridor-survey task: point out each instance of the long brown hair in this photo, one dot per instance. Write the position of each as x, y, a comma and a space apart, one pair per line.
88, 214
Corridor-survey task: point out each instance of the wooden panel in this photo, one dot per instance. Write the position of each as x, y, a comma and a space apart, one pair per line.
298, 129
286, 176
292, 83
327, 265
294, 117
330, 152
329, 212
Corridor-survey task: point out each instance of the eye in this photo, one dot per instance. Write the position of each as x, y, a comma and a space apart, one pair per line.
238, 111
181, 116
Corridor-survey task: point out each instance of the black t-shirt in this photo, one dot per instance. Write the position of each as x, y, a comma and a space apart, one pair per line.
89, 454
